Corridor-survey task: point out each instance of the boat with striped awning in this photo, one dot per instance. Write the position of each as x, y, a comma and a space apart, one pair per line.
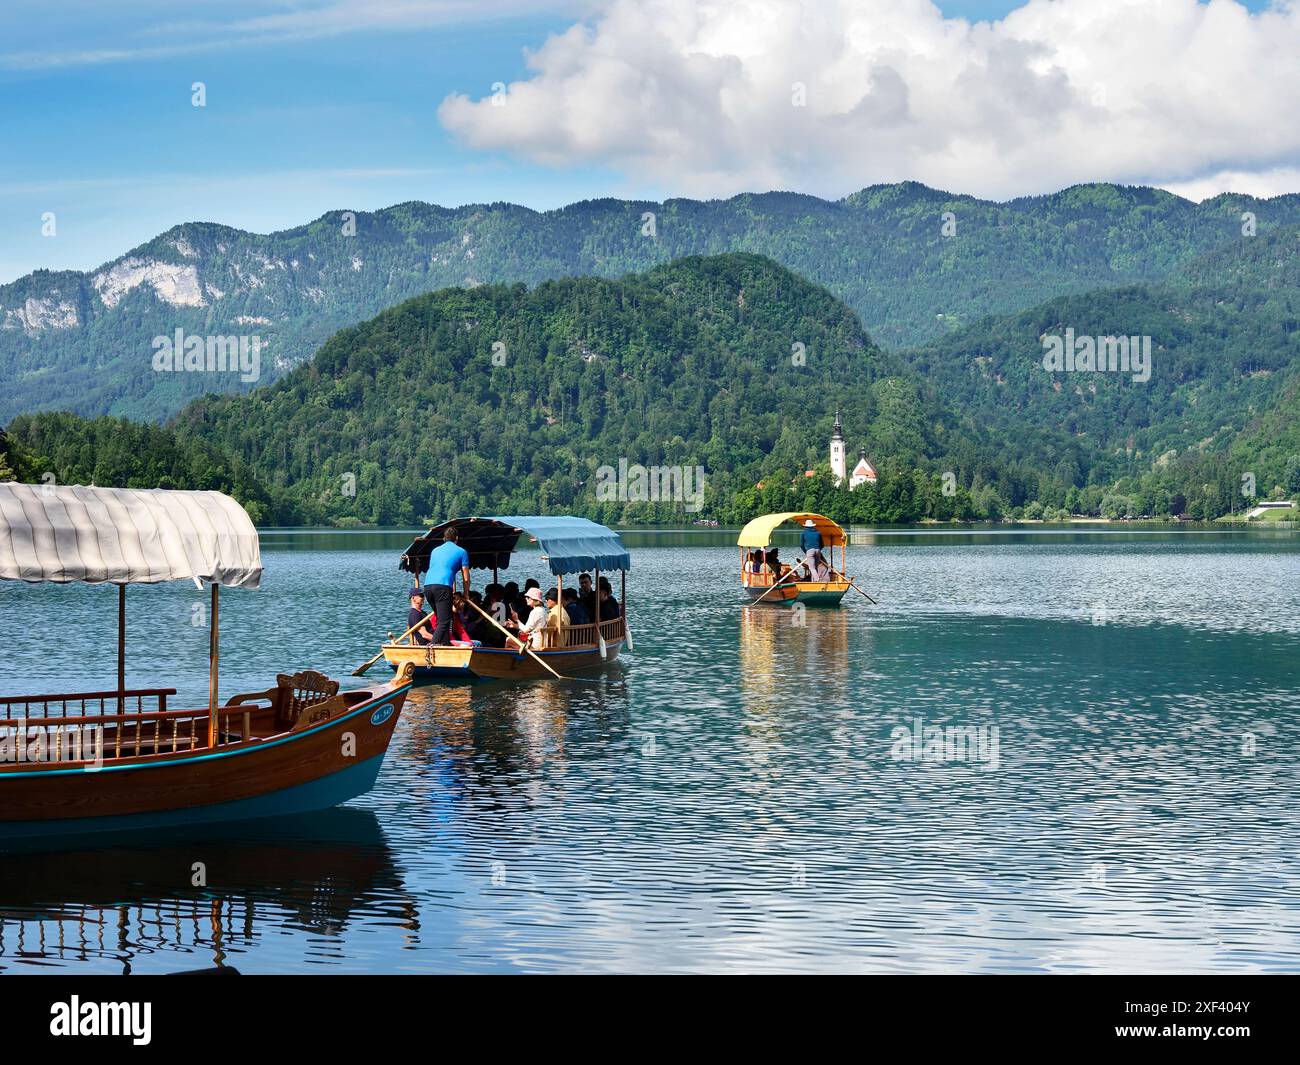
767, 579
568, 545
87, 762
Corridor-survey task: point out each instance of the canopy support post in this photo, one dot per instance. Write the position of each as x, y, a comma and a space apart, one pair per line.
599, 636
121, 648
212, 672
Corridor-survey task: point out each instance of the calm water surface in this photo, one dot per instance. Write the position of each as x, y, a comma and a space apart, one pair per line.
729, 797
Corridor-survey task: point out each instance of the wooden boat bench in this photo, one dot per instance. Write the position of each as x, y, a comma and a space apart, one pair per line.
296, 702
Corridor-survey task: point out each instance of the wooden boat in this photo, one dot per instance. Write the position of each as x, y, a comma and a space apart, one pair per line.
765, 584
569, 545
123, 759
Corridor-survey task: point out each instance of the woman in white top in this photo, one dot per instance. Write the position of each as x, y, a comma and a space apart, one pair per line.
530, 630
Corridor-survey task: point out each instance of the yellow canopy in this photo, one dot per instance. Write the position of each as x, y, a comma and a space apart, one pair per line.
758, 533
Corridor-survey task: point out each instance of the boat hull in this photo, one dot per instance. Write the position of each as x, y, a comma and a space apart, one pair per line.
315, 768
434, 664
810, 593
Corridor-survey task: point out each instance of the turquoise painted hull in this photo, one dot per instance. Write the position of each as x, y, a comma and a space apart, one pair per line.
301, 798
820, 598
784, 597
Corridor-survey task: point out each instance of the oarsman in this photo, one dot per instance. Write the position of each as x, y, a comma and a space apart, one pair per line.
810, 539
444, 561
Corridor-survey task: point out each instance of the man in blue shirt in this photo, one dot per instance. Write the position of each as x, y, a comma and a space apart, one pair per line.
810, 539
444, 561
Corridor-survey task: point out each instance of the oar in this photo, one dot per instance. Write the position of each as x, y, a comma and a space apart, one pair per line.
793, 570
360, 670
860, 591
528, 649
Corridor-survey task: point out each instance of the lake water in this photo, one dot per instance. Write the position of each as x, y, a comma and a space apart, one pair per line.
735, 794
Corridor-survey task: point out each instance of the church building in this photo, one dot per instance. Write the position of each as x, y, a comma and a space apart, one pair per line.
863, 472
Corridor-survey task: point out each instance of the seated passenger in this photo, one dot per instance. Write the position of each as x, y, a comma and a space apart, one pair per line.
577, 612
514, 599
556, 617
587, 594
523, 608
460, 631
494, 604
424, 634
608, 608
474, 620
530, 631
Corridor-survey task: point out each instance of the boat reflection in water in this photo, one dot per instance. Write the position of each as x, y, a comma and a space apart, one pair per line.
494, 730
201, 898
780, 648
784, 654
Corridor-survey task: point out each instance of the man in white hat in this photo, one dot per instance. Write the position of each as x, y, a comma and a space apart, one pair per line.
810, 539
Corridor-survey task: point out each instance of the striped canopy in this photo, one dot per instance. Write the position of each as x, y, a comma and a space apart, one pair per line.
66, 533
569, 544
758, 533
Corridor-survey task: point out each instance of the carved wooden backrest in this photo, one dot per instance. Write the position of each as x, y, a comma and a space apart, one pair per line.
299, 691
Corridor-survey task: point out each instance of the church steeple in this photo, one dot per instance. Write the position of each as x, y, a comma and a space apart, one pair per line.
838, 468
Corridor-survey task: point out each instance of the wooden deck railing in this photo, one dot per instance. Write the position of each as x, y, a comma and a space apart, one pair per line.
86, 703
103, 734
571, 636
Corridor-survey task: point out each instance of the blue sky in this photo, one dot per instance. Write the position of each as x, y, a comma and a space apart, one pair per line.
311, 106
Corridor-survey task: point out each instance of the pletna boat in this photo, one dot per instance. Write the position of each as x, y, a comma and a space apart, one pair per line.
767, 579
568, 545
87, 762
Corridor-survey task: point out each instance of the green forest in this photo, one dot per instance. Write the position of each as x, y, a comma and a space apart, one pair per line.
505, 398
116, 453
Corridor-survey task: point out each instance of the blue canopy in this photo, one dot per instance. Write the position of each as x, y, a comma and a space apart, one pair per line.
569, 544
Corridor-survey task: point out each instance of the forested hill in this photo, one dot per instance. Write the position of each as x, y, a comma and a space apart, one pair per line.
912, 261
116, 453
502, 399
1220, 402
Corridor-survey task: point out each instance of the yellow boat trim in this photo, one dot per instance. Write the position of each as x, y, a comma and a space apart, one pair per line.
758, 533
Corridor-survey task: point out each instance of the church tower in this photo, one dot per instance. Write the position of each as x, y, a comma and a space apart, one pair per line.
838, 469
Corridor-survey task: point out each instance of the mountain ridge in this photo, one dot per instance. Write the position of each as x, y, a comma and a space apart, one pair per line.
81, 340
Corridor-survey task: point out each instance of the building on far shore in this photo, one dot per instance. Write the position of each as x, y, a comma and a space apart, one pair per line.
863, 472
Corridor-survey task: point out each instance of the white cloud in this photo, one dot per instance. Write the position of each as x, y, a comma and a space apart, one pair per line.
698, 94
1264, 184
